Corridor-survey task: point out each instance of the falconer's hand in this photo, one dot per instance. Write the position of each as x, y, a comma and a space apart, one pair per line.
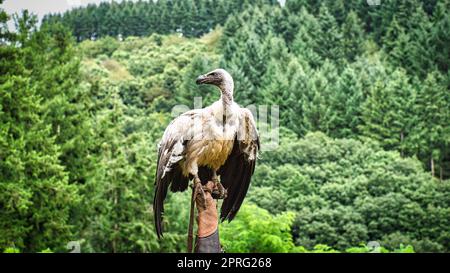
207, 222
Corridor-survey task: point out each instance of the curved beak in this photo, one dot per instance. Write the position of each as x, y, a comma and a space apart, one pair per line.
201, 79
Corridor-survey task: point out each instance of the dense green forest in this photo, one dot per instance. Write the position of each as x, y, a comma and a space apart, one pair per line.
192, 18
363, 93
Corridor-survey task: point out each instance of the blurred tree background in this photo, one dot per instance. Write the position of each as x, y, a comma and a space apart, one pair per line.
363, 91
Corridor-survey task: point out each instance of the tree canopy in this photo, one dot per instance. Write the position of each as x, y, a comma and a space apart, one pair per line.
363, 93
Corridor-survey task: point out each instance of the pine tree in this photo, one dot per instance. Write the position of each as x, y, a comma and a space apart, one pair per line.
346, 102
283, 86
35, 195
387, 115
117, 195
440, 36
296, 6
177, 16
189, 17
432, 130
328, 43
393, 31
315, 102
193, 18
421, 50
305, 42
352, 36
339, 9
65, 105
246, 61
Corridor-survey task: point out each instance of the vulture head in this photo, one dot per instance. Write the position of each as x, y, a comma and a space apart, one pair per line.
218, 77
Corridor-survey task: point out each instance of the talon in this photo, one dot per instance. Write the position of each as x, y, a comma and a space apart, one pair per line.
219, 191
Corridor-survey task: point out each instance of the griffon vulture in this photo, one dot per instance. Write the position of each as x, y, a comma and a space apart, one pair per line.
220, 140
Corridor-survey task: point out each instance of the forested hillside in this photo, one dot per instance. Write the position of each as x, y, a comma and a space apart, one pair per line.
363, 91
192, 18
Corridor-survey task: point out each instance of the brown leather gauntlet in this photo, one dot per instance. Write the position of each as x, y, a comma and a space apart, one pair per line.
207, 222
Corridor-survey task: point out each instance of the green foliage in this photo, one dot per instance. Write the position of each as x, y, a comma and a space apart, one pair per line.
255, 230
366, 249
15, 250
431, 132
11, 250
79, 123
352, 36
191, 18
117, 194
47, 250
345, 192
35, 194
386, 114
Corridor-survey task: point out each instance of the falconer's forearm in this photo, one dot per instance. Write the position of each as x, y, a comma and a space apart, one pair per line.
207, 222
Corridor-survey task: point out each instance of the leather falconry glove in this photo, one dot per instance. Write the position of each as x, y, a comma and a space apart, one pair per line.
207, 222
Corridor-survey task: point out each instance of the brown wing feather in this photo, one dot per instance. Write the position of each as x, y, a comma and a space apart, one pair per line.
236, 173
174, 178
168, 172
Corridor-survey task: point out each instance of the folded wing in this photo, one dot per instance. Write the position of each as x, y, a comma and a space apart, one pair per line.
236, 173
171, 151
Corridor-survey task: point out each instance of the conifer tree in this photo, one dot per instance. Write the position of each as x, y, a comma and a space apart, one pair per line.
440, 36
35, 195
352, 36
328, 43
65, 105
284, 86
346, 102
118, 192
431, 132
315, 102
305, 42
387, 114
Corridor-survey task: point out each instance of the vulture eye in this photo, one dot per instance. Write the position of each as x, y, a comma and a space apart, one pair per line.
213, 74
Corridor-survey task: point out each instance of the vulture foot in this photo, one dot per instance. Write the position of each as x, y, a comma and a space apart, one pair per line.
219, 191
